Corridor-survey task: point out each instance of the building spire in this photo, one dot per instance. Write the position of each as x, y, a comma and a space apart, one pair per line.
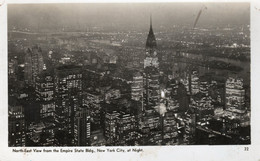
151, 21
151, 41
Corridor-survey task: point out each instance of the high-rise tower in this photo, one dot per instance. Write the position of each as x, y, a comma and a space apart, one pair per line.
68, 96
44, 88
151, 71
33, 64
151, 58
151, 41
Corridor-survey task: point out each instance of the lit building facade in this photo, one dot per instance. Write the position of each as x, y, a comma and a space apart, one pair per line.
68, 95
45, 94
151, 71
16, 125
111, 127
126, 129
170, 133
235, 93
137, 87
92, 102
194, 82
82, 127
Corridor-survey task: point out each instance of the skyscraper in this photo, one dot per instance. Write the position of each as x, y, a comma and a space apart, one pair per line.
82, 127
151, 58
111, 127
45, 94
68, 93
126, 129
137, 87
235, 93
16, 123
151, 71
194, 82
33, 64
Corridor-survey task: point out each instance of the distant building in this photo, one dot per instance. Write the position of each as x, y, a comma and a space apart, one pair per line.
45, 94
126, 129
135, 58
172, 86
97, 138
152, 87
235, 93
194, 82
92, 101
189, 120
170, 133
186, 82
137, 87
12, 68
111, 127
82, 127
33, 64
155, 137
35, 131
112, 94
182, 97
16, 125
202, 105
204, 86
151, 120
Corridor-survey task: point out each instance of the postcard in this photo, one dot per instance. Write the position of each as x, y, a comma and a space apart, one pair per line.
148, 80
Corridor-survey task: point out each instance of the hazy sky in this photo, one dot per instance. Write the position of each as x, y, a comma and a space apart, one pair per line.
127, 14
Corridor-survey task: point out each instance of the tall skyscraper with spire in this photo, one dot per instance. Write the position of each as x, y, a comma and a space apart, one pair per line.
151, 41
151, 71
151, 58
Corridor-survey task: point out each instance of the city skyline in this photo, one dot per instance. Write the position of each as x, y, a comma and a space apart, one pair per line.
94, 88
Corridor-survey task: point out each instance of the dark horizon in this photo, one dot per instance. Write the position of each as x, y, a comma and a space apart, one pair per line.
126, 15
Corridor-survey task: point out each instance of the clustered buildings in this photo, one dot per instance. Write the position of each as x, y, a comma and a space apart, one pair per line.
71, 105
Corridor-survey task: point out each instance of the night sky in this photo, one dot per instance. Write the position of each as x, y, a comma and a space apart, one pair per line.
127, 15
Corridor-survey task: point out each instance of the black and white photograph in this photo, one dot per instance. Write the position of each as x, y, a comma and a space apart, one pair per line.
129, 74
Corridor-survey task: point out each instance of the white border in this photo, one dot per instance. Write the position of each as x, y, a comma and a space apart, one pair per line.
178, 153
